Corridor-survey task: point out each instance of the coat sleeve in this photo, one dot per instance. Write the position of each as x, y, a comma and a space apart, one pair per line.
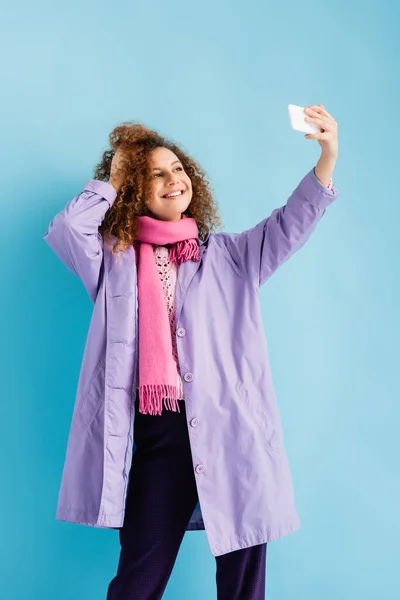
259, 251
74, 236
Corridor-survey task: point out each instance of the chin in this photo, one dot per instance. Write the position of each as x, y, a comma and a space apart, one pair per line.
176, 217
168, 216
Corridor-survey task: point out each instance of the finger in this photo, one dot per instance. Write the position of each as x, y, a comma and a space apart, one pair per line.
324, 123
320, 110
317, 136
323, 113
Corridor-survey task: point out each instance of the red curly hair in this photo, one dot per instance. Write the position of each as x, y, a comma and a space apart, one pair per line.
136, 142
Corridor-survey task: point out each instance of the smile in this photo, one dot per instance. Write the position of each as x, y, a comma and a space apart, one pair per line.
174, 194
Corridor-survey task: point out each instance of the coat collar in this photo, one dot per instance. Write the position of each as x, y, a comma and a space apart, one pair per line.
205, 241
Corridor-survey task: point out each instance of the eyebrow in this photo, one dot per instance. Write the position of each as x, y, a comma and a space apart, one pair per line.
159, 168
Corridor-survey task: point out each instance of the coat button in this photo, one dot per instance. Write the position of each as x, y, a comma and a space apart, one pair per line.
188, 377
200, 469
181, 331
194, 422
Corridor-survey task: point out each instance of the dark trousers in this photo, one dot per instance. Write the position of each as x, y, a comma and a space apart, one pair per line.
161, 497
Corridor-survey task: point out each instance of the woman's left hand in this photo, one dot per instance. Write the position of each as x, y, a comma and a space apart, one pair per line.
328, 137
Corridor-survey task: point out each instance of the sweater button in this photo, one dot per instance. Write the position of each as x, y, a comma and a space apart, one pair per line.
200, 469
188, 377
194, 422
181, 332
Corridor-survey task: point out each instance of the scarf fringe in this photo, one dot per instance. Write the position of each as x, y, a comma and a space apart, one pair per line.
183, 251
151, 398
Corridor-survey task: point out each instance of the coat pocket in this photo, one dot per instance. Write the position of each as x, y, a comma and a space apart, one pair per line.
261, 419
91, 399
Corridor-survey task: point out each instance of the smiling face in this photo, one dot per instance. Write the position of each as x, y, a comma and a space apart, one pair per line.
168, 176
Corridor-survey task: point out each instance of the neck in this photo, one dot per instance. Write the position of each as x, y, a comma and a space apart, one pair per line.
172, 220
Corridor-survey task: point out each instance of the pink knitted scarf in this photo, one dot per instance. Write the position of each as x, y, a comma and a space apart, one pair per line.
157, 368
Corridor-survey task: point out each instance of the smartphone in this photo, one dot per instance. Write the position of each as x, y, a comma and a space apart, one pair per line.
297, 116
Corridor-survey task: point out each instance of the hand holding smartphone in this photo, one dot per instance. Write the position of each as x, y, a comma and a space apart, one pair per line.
297, 116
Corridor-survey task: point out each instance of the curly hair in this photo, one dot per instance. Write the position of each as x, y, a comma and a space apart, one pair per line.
136, 142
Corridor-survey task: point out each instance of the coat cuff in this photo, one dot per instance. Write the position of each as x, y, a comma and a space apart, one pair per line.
317, 194
103, 189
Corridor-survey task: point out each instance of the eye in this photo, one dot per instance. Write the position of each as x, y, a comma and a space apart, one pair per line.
156, 174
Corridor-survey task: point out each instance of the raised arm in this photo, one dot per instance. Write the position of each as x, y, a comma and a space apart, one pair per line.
73, 233
259, 251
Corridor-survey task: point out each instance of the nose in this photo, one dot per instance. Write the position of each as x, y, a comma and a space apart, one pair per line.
171, 175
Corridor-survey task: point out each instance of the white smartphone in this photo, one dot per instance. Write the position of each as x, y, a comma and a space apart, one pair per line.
297, 116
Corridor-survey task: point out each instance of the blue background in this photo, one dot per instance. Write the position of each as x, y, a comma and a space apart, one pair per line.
217, 77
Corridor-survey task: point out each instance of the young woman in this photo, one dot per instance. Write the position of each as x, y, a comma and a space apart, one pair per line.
175, 425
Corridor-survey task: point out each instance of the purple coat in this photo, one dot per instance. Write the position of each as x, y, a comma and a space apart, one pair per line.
240, 464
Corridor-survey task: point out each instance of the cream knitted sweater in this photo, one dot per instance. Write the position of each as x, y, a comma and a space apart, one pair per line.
168, 274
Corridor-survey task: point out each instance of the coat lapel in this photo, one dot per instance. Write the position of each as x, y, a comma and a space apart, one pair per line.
186, 272
122, 275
